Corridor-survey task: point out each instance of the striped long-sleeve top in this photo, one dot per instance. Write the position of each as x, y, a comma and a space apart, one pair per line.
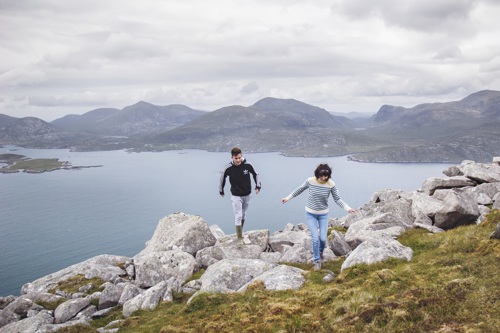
317, 202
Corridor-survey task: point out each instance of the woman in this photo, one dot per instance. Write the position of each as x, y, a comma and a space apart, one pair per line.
320, 186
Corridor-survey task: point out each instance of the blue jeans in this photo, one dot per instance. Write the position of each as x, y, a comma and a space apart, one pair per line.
318, 226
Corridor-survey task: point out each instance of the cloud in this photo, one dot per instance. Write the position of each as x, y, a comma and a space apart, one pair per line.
419, 15
21, 77
451, 52
249, 88
355, 55
86, 99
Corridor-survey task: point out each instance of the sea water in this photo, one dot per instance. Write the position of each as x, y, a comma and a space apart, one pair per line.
52, 220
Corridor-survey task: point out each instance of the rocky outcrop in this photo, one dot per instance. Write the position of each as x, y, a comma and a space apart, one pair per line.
106, 267
181, 232
435, 183
149, 299
457, 209
376, 250
183, 244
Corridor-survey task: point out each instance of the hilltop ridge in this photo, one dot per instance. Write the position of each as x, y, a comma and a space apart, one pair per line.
432, 132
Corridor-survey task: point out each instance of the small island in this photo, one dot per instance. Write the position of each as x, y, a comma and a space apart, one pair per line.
20, 163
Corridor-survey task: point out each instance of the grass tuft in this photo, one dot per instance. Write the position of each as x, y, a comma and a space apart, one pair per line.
74, 283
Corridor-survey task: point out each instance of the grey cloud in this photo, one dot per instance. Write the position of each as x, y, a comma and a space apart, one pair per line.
22, 77
492, 66
452, 52
68, 99
126, 46
249, 88
45, 7
95, 37
420, 15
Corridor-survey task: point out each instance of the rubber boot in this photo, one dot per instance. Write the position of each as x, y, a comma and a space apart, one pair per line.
242, 239
239, 233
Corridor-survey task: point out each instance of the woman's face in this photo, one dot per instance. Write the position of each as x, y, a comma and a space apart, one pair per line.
323, 178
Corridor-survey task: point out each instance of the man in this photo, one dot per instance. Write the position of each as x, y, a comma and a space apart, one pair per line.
239, 171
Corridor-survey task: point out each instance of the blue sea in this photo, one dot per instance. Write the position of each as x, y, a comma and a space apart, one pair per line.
52, 220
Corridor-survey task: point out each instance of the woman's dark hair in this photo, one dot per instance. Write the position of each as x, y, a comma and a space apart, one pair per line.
235, 151
323, 170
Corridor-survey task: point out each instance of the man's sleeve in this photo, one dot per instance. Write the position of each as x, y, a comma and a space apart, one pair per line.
256, 178
222, 181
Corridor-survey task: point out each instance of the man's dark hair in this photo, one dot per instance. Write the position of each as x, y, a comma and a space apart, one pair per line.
323, 170
235, 151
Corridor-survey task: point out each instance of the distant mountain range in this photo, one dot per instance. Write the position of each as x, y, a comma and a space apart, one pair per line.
432, 132
140, 118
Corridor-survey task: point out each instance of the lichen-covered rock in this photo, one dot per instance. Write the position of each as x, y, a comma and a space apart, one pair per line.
282, 277
376, 250
458, 209
374, 227
29, 325
148, 300
228, 250
482, 173
231, 274
70, 309
182, 232
434, 183
337, 243
104, 266
152, 268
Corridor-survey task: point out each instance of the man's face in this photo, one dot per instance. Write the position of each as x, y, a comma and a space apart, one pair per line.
237, 159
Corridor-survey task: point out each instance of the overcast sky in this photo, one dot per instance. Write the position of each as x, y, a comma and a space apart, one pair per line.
61, 57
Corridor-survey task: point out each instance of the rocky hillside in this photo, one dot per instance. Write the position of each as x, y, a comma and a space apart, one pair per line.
34, 132
182, 245
440, 121
438, 132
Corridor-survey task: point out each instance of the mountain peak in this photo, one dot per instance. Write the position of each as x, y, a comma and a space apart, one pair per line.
277, 104
141, 104
480, 99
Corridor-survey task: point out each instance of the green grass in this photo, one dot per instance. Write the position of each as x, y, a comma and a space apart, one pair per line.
37, 164
74, 283
452, 284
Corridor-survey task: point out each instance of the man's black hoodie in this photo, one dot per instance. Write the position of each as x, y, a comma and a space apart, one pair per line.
239, 178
